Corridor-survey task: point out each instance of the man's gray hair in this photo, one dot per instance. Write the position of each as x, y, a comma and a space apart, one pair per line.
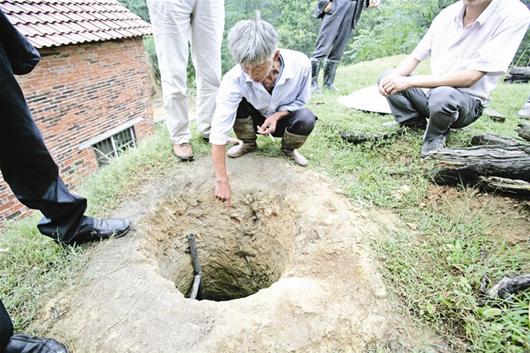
252, 41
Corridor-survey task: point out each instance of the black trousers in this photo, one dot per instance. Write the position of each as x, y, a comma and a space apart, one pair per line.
299, 122
28, 167
6, 327
336, 29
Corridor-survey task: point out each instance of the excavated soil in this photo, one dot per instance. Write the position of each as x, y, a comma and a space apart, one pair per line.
286, 269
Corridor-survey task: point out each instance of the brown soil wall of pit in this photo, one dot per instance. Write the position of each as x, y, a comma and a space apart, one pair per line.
240, 253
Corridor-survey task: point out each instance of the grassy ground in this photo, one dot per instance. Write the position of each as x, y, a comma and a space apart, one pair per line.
435, 265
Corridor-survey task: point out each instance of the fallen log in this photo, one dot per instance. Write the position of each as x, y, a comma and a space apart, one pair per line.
469, 164
519, 188
492, 139
518, 74
524, 131
495, 115
509, 285
362, 137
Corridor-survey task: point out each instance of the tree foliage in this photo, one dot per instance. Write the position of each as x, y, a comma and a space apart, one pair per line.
394, 28
139, 7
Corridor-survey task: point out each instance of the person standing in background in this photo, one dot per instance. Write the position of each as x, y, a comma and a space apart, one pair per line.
339, 18
177, 24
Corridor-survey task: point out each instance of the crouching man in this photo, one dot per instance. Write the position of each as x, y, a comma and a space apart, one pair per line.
471, 44
264, 93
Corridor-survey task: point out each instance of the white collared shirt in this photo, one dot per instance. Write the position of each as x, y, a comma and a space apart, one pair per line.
488, 44
291, 92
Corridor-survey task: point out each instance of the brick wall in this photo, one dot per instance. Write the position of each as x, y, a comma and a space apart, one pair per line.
78, 92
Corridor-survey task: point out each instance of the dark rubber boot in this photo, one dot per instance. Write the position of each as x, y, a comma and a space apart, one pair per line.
330, 69
290, 142
244, 129
315, 70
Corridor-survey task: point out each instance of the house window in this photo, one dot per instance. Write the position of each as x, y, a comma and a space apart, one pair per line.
113, 146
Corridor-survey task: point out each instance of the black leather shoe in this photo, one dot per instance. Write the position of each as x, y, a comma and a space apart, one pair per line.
28, 344
101, 229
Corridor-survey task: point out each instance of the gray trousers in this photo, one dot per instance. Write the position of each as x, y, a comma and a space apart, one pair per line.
336, 30
445, 107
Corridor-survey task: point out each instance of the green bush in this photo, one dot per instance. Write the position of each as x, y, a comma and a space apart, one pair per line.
397, 26
393, 28
139, 7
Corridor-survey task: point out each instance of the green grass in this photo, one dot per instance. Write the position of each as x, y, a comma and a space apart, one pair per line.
435, 270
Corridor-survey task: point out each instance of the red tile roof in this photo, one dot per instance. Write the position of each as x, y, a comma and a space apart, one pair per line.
48, 23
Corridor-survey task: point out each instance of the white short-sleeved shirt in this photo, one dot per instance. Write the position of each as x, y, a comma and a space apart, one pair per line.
488, 44
291, 92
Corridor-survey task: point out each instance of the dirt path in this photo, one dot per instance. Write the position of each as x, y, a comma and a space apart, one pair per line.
287, 269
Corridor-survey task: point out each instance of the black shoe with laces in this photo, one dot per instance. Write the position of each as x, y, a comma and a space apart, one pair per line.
27, 344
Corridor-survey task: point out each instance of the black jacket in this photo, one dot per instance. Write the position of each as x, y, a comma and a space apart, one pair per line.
22, 56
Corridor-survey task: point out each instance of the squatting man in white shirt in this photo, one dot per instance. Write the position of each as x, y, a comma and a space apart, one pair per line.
264, 93
471, 44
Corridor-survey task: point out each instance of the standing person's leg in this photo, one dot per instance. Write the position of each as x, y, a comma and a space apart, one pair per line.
329, 29
207, 27
340, 42
27, 166
294, 130
32, 174
171, 31
6, 327
448, 108
328, 32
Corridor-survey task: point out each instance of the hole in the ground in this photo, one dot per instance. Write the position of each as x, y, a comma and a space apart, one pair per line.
240, 251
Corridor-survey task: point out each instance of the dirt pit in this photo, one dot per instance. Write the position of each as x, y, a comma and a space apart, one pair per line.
239, 254
286, 269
